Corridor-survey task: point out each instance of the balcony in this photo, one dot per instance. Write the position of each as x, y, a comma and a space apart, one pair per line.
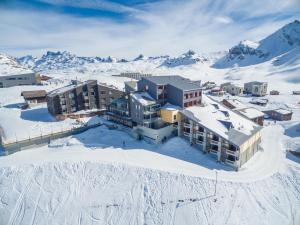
230, 162
235, 153
186, 125
213, 151
200, 133
186, 134
214, 142
199, 142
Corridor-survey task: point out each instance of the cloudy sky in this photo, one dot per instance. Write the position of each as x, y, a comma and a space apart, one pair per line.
127, 28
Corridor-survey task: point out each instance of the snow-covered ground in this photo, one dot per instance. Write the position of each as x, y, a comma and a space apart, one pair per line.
92, 178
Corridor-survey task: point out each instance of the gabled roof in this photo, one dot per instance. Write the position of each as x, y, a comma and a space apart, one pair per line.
34, 94
222, 121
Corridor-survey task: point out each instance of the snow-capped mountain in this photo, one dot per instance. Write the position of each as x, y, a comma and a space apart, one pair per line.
187, 58
9, 65
61, 60
248, 53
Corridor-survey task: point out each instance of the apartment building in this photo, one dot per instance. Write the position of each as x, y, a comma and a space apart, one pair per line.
256, 88
232, 89
79, 96
214, 129
19, 79
175, 90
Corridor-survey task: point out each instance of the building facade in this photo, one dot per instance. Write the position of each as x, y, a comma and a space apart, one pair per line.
19, 79
232, 89
279, 114
175, 90
256, 88
81, 96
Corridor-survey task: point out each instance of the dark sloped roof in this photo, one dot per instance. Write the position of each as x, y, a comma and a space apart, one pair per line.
34, 94
174, 80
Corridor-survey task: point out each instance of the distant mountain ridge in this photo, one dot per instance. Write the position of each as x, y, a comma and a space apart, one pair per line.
283, 46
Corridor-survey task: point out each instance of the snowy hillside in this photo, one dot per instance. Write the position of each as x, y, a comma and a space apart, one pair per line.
248, 53
9, 65
91, 179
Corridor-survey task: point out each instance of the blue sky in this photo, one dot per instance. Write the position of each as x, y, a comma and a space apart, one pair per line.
128, 28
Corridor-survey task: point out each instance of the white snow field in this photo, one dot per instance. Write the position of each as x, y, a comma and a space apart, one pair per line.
92, 179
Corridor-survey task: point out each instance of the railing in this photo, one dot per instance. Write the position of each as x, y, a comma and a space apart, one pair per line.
213, 151
199, 142
16, 146
230, 161
231, 152
200, 133
186, 124
186, 133
214, 142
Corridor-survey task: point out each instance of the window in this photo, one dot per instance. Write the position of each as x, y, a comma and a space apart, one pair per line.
102, 92
201, 129
174, 117
196, 94
195, 102
214, 147
186, 96
199, 93
191, 95
200, 138
185, 104
215, 138
190, 103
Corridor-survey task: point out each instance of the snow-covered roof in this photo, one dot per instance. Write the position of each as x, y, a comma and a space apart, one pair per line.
222, 121
143, 98
236, 103
169, 106
283, 111
251, 113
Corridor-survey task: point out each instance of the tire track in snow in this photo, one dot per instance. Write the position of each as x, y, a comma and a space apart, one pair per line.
41, 190
18, 207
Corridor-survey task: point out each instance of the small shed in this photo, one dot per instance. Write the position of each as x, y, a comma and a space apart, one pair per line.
279, 114
274, 92
296, 92
34, 97
217, 91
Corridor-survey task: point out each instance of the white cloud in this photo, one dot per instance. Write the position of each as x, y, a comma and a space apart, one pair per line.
164, 27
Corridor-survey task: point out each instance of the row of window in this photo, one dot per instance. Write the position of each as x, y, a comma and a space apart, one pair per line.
17, 78
191, 103
192, 95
